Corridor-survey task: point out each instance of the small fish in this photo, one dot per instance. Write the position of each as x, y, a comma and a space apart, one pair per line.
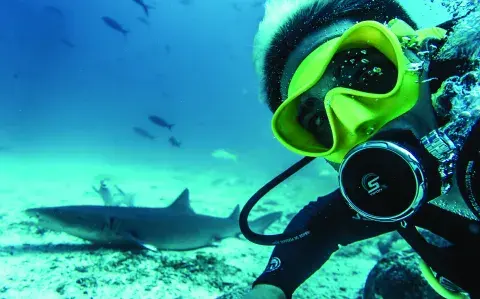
257, 4
160, 122
104, 193
113, 200
114, 25
174, 142
53, 10
143, 20
143, 133
237, 7
143, 5
224, 155
67, 43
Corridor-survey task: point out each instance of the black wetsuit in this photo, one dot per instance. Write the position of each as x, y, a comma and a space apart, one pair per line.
332, 222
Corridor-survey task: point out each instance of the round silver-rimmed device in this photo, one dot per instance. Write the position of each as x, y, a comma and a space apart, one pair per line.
383, 181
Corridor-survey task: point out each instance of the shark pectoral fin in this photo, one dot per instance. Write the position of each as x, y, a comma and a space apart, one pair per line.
140, 243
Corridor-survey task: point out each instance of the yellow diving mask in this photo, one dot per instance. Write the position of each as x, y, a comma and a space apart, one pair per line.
354, 115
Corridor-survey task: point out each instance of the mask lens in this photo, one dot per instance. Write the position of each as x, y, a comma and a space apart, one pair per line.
364, 69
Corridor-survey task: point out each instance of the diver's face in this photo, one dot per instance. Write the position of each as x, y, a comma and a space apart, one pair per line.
360, 69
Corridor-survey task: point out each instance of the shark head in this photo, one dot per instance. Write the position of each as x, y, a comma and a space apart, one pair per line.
71, 219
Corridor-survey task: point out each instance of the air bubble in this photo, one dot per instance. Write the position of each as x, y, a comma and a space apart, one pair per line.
377, 70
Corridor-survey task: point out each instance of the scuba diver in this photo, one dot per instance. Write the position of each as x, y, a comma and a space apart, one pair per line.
395, 110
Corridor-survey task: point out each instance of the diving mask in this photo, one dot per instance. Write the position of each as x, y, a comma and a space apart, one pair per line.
353, 114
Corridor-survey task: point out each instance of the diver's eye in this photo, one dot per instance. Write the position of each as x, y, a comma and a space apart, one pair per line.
306, 107
319, 119
310, 103
311, 113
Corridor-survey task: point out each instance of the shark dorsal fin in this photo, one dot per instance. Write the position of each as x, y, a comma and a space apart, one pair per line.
182, 203
235, 214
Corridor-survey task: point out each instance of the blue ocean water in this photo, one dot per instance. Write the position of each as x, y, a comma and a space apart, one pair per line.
72, 86
72, 89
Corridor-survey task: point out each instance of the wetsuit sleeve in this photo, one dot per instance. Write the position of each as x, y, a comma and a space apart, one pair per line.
332, 223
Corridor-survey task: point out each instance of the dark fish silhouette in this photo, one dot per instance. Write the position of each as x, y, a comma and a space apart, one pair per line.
257, 4
114, 25
143, 5
237, 7
174, 142
160, 122
168, 49
67, 43
54, 10
143, 20
143, 133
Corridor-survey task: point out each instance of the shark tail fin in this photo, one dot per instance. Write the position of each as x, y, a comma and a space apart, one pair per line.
260, 224
127, 199
235, 214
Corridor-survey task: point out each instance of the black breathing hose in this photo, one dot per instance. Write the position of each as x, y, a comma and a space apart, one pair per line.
278, 238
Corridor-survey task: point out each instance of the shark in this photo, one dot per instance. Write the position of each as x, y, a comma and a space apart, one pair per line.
176, 227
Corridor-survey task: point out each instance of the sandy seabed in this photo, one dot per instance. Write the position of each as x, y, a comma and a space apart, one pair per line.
36, 263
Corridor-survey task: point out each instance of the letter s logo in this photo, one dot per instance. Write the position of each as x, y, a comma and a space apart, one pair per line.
370, 183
